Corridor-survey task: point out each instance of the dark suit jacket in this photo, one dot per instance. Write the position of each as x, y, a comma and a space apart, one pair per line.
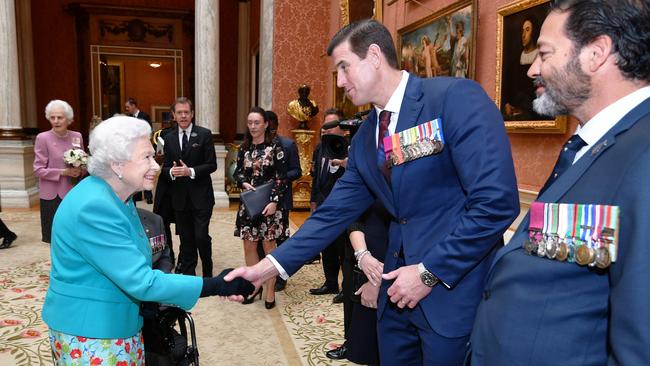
545, 312
323, 181
200, 155
162, 201
154, 227
293, 169
449, 209
144, 116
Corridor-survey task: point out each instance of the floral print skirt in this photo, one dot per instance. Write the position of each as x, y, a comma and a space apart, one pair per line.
74, 350
263, 228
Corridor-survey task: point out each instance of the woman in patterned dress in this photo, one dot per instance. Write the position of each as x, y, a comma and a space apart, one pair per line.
261, 160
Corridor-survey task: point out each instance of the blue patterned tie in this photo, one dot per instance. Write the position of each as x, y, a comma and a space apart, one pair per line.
565, 160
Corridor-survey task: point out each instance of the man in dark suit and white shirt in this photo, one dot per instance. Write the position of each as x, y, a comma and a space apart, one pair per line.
189, 160
131, 108
541, 307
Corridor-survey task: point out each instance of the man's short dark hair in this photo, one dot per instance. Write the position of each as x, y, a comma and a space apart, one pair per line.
182, 100
335, 111
361, 34
132, 101
626, 22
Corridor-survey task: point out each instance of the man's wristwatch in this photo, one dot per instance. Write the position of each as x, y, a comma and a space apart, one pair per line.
427, 277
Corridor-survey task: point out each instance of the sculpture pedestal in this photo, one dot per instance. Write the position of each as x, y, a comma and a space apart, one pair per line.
302, 186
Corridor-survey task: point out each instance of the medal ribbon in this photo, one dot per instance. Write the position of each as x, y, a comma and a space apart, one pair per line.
563, 224
554, 219
536, 218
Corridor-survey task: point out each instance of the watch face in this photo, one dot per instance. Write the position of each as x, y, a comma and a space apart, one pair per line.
428, 279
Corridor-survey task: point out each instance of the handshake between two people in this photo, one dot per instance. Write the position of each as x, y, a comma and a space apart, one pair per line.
235, 290
236, 284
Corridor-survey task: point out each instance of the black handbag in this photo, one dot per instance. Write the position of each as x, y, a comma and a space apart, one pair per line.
358, 279
255, 201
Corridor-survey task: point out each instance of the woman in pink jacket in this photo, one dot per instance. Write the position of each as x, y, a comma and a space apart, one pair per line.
55, 176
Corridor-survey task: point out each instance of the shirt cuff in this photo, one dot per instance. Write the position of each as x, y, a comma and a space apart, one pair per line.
171, 175
439, 280
276, 264
192, 174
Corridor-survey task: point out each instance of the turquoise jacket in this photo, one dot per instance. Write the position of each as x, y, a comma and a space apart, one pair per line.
101, 267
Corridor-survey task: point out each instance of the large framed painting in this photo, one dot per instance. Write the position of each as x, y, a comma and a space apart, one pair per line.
442, 44
518, 26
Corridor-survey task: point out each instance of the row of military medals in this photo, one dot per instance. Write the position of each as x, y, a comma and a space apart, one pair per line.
422, 140
582, 233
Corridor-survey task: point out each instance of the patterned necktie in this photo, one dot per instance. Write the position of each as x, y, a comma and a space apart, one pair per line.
565, 160
184, 144
384, 120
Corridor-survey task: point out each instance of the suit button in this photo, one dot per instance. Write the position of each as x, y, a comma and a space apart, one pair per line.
395, 255
403, 221
486, 294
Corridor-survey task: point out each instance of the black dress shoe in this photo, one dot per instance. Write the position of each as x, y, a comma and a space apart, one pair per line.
338, 299
324, 290
7, 240
280, 284
337, 353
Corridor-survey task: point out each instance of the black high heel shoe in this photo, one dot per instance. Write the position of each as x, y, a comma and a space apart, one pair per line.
249, 300
269, 304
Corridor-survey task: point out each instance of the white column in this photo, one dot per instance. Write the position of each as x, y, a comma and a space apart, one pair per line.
206, 67
17, 181
266, 55
9, 92
27, 77
206, 72
243, 67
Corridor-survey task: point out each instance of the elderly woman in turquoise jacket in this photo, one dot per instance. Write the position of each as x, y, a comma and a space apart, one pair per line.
101, 257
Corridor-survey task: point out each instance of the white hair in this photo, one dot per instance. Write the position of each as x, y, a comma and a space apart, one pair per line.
59, 104
112, 141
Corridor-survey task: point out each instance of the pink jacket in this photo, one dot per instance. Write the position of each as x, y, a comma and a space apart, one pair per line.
48, 162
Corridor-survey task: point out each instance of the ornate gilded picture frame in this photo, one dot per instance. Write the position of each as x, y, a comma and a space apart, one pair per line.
518, 26
442, 44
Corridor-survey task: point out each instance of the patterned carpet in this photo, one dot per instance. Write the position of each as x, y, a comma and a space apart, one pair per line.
297, 332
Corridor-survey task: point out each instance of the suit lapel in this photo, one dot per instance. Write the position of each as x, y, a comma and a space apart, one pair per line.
567, 180
408, 117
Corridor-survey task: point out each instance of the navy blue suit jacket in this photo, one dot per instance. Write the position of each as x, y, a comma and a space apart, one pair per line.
449, 209
539, 311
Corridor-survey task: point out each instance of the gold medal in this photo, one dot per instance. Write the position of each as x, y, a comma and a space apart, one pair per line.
584, 255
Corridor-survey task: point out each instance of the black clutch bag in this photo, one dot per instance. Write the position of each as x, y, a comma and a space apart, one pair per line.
358, 279
255, 201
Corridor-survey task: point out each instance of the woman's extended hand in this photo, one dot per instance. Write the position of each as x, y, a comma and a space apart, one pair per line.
248, 186
270, 209
369, 294
372, 268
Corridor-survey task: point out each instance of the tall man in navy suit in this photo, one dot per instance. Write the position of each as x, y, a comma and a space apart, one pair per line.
594, 64
189, 160
449, 206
